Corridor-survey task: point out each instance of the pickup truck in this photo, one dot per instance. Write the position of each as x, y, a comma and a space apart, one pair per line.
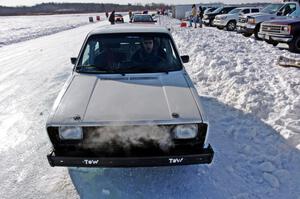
209, 17
229, 20
249, 24
282, 31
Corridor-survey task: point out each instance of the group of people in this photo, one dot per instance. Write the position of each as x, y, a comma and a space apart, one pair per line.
196, 16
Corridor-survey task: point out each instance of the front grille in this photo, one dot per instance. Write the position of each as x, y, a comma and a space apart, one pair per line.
271, 28
127, 137
242, 20
139, 140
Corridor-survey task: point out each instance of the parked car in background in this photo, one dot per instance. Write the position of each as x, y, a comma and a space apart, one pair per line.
209, 17
143, 18
122, 107
249, 24
282, 31
119, 18
230, 20
209, 10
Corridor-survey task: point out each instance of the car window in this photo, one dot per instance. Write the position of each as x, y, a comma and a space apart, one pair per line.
287, 9
142, 18
255, 10
129, 53
272, 8
246, 11
295, 13
234, 11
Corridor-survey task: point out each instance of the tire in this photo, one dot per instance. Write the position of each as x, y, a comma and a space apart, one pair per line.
231, 25
274, 43
256, 32
220, 28
294, 45
247, 34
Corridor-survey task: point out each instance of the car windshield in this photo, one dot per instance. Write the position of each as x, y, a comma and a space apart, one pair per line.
142, 18
209, 10
234, 11
272, 8
129, 53
218, 10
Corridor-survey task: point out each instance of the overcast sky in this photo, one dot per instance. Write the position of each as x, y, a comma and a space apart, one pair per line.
33, 2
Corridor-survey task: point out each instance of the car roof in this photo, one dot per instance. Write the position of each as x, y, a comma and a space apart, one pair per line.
248, 7
130, 28
142, 15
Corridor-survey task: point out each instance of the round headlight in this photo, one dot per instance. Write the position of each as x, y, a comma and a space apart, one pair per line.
70, 133
188, 131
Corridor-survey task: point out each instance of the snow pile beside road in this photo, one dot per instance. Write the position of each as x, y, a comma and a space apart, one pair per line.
242, 72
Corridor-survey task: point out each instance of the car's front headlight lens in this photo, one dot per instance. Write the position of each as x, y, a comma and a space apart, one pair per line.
186, 131
223, 17
286, 29
70, 133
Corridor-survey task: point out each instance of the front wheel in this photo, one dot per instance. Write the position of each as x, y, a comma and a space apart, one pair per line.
231, 26
274, 43
256, 32
294, 45
220, 28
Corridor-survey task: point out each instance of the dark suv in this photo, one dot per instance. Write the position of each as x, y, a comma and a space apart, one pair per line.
209, 17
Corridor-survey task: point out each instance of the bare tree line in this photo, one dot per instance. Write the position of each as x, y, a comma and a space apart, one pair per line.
67, 8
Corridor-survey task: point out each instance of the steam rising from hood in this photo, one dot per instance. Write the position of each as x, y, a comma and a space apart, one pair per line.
127, 138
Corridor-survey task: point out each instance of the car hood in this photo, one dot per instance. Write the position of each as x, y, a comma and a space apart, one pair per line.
259, 14
229, 16
91, 99
285, 21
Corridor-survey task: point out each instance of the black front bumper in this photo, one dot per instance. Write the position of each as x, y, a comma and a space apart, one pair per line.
241, 29
205, 156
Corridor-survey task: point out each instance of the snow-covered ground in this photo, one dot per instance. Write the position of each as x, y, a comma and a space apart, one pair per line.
20, 28
253, 106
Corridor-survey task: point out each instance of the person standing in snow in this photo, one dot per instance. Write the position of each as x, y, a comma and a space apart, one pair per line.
194, 14
201, 12
112, 18
130, 15
106, 14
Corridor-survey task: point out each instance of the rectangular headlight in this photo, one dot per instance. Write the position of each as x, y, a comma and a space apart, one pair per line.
185, 131
70, 133
286, 29
251, 20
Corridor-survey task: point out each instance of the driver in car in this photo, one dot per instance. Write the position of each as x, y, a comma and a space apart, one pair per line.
149, 55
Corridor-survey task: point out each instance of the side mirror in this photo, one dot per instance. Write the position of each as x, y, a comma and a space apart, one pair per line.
185, 58
279, 13
73, 60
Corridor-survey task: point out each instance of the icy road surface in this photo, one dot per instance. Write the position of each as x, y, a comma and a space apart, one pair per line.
253, 106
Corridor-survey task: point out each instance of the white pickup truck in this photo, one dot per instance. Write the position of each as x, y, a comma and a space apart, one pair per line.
229, 20
249, 24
